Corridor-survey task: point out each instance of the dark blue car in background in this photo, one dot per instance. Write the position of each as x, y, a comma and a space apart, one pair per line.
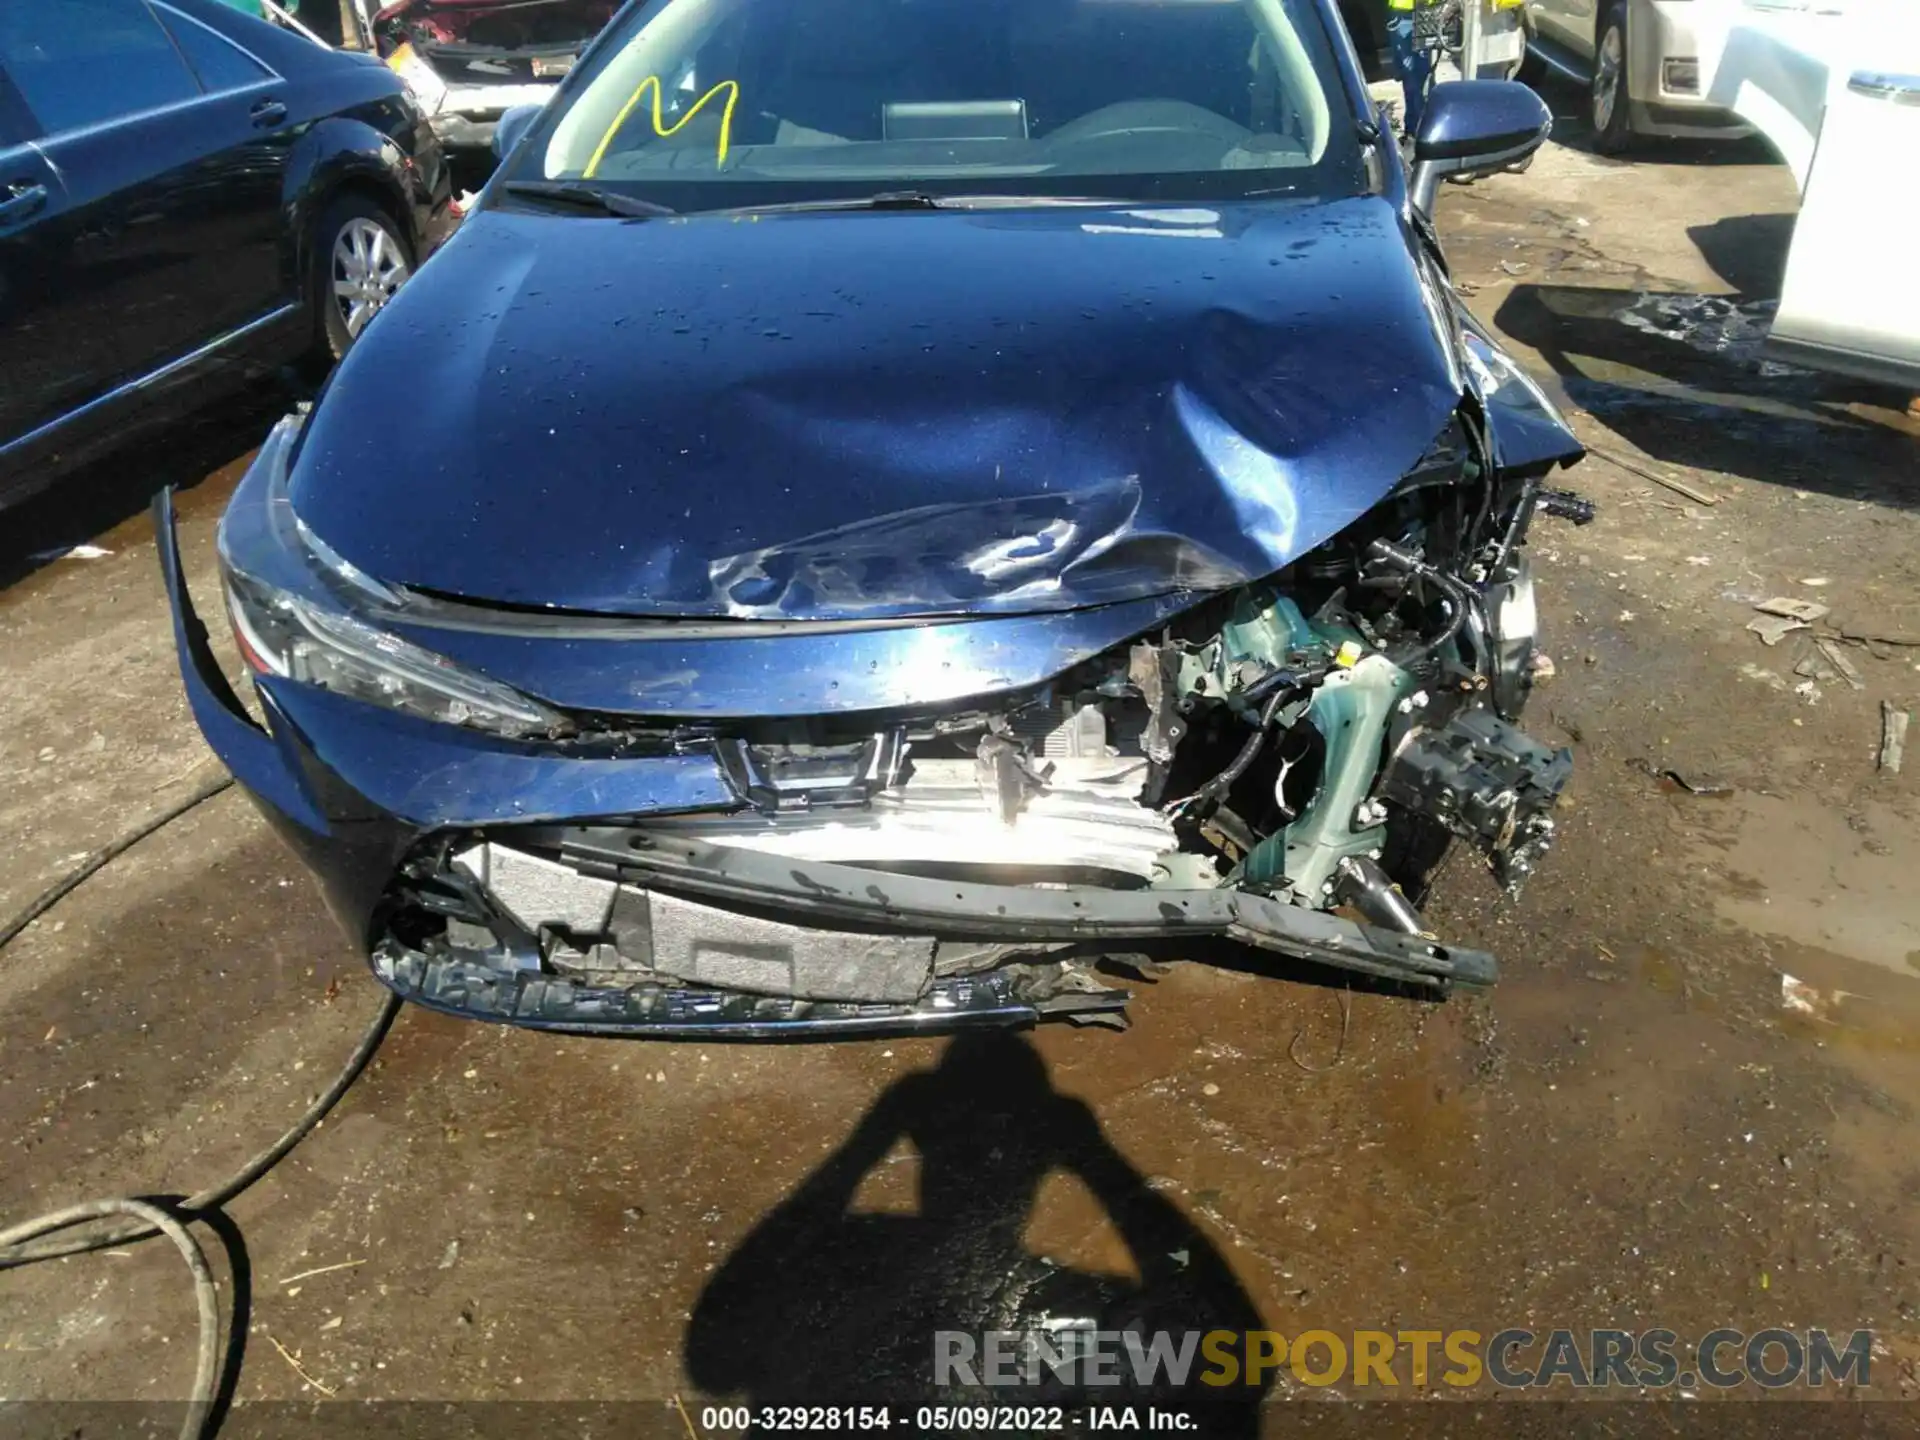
188, 196
894, 512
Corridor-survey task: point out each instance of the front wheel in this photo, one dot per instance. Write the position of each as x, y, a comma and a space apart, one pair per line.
360, 259
1610, 109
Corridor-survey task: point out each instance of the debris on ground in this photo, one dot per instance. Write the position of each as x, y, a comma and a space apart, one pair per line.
1772, 629
1782, 615
1632, 467
71, 552
1842, 666
1874, 637
1805, 611
1671, 780
1811, 1001
1893, 736
1815, 668
1804, 999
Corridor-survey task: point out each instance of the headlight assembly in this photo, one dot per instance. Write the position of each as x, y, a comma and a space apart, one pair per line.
283, 634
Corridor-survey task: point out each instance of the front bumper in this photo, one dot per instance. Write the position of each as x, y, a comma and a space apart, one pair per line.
1661, 36
375, 802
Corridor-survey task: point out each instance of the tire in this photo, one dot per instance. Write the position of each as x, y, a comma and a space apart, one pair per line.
1609, 106
360, 257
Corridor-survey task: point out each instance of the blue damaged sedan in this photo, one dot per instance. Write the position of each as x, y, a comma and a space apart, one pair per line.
891, 515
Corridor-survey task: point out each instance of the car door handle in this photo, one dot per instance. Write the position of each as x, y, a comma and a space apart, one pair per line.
268, 113
21, 199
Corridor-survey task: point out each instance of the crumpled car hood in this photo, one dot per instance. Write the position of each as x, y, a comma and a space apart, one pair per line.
868, 415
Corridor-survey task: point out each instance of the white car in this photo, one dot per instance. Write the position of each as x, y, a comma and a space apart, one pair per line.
1647, 65
1834, 85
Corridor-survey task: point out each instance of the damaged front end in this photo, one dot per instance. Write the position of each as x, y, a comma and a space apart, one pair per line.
470, 61
1277, 767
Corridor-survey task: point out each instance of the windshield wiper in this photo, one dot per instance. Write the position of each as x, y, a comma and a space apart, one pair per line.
885, 200
918, 200
588, 197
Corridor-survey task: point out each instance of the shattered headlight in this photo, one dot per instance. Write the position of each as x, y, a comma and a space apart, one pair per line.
282, 634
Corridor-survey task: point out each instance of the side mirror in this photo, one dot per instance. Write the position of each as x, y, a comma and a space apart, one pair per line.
1474, 127
508, 129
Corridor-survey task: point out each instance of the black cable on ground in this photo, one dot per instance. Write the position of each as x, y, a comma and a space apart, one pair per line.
149, 1218
100, 858
13, 1253
155, 1221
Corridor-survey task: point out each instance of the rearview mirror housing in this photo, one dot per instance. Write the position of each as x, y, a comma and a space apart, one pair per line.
511, 125
1474, 127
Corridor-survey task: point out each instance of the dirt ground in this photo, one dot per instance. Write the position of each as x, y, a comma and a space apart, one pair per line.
1633, 1129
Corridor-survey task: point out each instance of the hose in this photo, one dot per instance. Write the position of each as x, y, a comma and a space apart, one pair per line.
148, 1218
100, 858
1461, 598
216, 1196
155, 1222
1287, 686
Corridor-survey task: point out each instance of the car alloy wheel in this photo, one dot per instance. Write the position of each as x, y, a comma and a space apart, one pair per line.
1606, 79
1612, 125
369, 264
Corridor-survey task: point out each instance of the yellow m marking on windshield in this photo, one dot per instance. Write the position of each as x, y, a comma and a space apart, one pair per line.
660, 126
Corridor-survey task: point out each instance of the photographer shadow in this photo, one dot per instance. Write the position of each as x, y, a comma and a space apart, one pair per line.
823, 1305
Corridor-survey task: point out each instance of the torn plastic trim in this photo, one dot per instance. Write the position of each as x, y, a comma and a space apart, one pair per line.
474, 991
253, 755
828, 892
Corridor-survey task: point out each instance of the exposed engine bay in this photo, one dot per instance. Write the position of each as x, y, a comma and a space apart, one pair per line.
469, 61
504, 25
1282, 766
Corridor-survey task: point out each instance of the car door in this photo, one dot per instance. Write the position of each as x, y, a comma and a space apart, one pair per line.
1566, 23
31, 201
164, 237
1849, 301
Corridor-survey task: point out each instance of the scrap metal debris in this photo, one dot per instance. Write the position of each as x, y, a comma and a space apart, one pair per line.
1893, 737
1679, 487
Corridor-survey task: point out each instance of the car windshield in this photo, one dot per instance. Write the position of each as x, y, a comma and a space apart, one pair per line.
706, 104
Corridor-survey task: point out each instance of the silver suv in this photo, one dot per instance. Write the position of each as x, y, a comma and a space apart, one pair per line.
1647, 64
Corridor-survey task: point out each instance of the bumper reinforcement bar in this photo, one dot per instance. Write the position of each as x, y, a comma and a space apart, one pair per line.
963, 909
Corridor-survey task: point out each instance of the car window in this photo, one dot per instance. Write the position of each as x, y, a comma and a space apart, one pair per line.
220, 64
79, 62
792, 99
